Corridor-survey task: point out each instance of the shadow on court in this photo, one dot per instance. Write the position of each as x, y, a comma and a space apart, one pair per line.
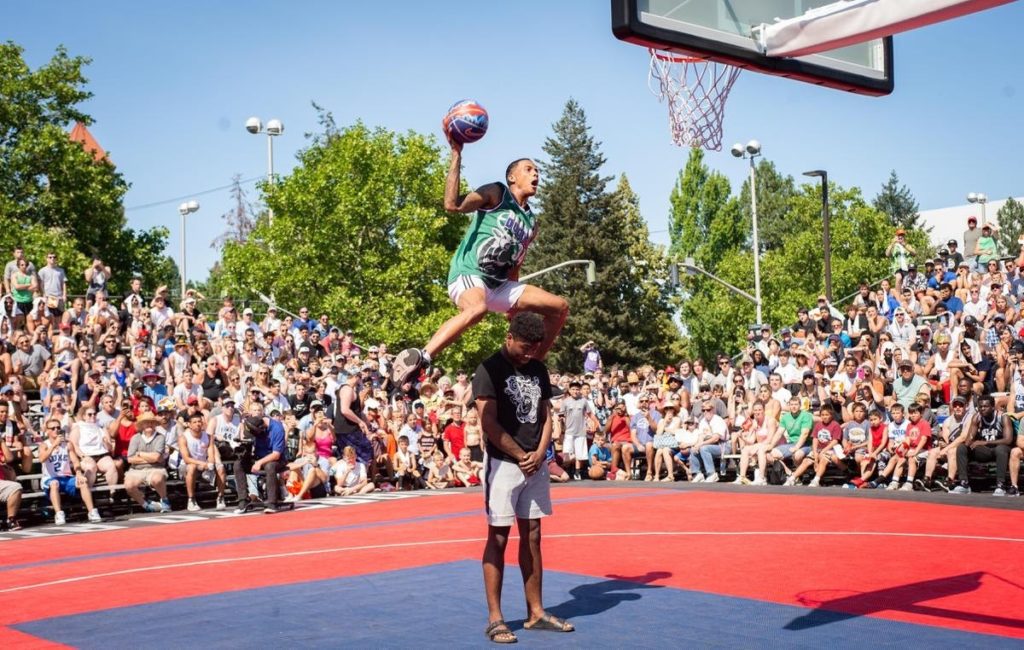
903, 598
597, 597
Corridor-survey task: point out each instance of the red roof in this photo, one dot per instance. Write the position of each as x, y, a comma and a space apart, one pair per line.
81, 134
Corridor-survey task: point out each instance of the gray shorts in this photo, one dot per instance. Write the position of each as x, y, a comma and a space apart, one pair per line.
509, 494
787, 450
8, 489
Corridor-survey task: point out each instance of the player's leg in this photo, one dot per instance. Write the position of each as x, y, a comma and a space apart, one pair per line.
553, 309
472, 304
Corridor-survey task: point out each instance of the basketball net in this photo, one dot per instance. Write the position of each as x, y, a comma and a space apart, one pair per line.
695, 90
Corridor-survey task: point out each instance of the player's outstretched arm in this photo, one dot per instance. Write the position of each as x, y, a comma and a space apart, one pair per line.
484, 197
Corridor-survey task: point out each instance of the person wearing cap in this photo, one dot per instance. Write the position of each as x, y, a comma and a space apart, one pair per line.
899, 253
223, 427
986, 250
953, 255
971, 237
147, 455
907, 384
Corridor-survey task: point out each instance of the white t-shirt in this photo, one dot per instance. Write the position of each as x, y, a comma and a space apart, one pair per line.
160, 316
716, 425
354, 475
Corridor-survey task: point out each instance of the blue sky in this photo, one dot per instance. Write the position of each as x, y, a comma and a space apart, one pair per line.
175, 81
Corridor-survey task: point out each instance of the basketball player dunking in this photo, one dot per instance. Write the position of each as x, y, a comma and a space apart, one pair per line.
484, 273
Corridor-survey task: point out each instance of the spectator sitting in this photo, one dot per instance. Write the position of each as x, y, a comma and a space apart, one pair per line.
16, 439
601, 460
407, 471
93, 447
10, 492
146, 459
824, 451
988, 440
62, 474
269, 453
468, 472
617, 428
29, 361
199, 456
439, 472
304, 473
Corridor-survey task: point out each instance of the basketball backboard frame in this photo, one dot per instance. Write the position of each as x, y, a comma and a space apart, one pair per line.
632, 25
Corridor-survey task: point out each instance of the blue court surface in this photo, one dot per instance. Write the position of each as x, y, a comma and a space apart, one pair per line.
442, 605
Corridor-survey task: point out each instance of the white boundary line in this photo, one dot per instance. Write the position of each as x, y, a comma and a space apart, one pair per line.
342, 549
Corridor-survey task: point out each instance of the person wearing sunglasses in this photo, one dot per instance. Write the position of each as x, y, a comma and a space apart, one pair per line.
62, 473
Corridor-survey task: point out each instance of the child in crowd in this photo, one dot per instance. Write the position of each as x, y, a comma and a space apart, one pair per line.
407, 471
601, 460
468, 472
350, 475
439, 472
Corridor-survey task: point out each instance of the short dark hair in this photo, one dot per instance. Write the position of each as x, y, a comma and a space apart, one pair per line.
527, 326
986, 399
195, 415
512, 166
914, 408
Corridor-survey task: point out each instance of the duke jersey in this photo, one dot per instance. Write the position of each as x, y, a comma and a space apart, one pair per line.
495, 242
898, 431
58, 463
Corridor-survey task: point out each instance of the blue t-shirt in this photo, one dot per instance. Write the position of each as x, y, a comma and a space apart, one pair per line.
954, 304
272, 441
603, 454
643, 428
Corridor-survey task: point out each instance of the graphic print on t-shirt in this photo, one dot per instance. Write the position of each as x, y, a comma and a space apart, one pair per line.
525, 394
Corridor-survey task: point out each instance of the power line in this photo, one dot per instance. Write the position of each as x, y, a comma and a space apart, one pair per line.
193, 194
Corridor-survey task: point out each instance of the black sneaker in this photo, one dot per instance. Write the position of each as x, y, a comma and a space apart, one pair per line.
940, 484
1012, 491
405, 365
920, 485
270, 508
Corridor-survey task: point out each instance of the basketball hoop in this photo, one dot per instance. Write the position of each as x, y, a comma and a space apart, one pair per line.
696, 90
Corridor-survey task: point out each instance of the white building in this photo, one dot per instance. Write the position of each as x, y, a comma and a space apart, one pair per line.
950, 223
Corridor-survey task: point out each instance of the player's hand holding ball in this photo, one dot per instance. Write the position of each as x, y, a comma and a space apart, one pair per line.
466, 121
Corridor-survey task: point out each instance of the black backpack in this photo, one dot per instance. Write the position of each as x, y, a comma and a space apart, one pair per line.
776, 473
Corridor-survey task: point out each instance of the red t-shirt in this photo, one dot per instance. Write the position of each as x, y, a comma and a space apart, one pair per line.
916, 431
876, 435
455, 434
124, 436
620, 428
826, 434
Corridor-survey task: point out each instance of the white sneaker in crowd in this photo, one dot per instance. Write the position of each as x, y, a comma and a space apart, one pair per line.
815, 482
94, 516
59, 519
893, 485
697, 478
907, 487
712, 477
220, 503
193, 506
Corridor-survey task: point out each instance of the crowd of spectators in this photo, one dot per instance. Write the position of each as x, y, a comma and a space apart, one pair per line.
905, 387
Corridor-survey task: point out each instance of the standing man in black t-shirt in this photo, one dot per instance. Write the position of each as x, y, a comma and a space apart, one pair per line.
513, 392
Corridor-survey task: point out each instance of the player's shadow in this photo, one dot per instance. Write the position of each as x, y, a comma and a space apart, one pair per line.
597, 597
904, 598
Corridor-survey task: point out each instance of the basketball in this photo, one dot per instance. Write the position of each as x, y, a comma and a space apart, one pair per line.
466, 121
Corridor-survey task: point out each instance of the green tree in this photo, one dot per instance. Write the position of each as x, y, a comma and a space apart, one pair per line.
774, 222
1010, 218
52, 186
359, 232
898, 203
625, 311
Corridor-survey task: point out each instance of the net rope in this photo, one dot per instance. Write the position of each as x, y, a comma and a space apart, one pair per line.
696, 91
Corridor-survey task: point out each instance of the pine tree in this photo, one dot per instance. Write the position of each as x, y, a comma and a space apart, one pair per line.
581, 219
898, 203
1010, 218
241, 219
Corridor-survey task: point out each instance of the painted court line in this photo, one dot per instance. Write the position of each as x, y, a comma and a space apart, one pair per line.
343, 549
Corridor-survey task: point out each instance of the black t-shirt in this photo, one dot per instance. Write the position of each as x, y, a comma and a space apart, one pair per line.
520, 394
300, 407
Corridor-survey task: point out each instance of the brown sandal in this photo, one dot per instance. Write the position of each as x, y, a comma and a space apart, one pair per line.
500, 629
550, 623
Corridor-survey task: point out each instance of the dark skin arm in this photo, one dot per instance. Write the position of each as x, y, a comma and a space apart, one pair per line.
485, 197
529, 462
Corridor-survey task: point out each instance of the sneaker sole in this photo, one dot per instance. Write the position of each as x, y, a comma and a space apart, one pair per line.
411, 359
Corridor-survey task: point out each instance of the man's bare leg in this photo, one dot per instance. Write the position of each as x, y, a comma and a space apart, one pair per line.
494, 569
553, 309
472, 309
531, 566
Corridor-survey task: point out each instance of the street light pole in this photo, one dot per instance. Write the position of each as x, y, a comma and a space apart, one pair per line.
274, 128
751, 151
591, 270
826, 239
184, 210
981, 199
691, 268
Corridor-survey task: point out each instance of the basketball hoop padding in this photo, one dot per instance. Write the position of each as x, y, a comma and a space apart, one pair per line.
695, 90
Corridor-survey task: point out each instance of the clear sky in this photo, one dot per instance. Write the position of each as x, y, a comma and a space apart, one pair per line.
175, 81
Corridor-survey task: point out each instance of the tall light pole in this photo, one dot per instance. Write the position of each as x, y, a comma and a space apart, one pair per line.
981, 199
273, 128
751, 151
184, 210
826, 239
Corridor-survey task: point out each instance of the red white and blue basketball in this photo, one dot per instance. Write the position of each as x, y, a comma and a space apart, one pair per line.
466, 121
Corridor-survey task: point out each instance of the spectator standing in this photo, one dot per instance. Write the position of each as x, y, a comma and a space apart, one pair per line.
986, 249
971, 237
23, 287
899, 253
54, 285
96, 276
591, 357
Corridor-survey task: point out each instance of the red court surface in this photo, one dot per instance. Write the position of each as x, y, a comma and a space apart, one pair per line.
947, 567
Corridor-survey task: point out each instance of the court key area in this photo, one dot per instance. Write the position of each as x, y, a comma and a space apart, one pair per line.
630, 566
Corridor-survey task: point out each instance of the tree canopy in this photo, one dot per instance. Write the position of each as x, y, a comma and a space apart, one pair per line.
53, 194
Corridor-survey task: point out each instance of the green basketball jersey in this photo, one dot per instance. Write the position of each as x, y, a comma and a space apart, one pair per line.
495, 242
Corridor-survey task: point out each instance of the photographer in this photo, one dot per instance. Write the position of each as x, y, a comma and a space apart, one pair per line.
268, 454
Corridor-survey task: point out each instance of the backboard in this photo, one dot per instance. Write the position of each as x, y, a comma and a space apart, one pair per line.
720, 30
